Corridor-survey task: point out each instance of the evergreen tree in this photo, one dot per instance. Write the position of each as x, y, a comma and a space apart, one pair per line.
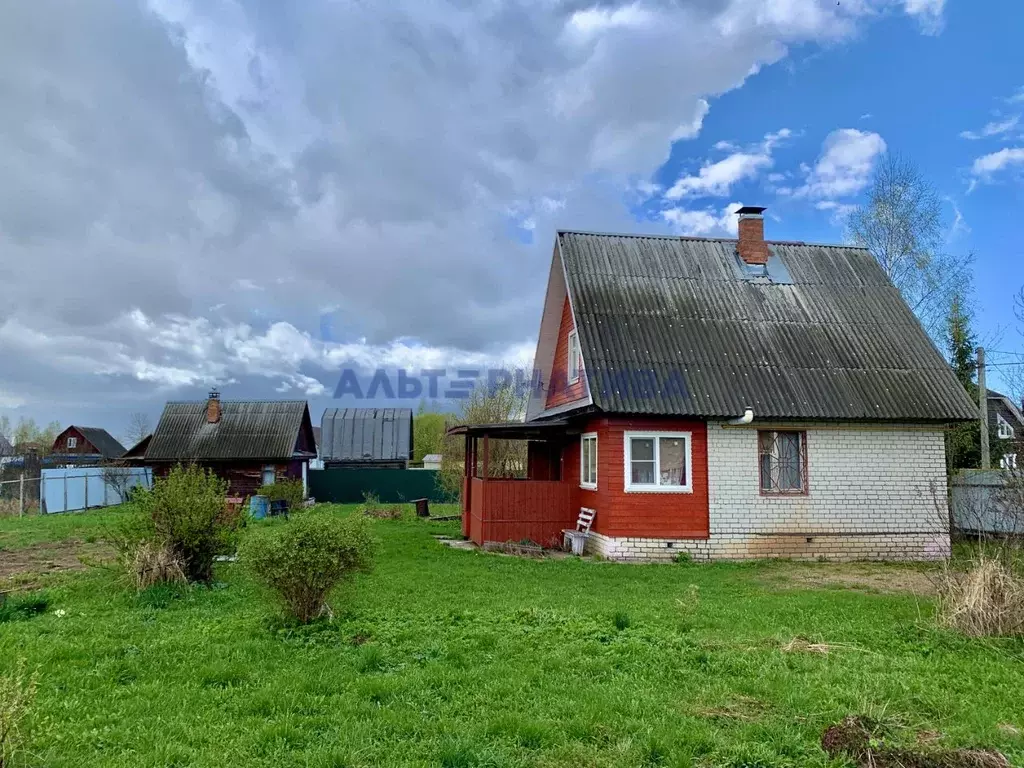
963, 442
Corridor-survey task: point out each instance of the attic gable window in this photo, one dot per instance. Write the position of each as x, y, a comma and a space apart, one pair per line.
1003, 428
72, 442
575, 361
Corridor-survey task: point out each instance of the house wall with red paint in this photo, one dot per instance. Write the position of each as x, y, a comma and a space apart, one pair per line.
560, 390
622, 513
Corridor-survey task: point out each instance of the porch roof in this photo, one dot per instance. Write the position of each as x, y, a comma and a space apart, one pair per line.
518, 430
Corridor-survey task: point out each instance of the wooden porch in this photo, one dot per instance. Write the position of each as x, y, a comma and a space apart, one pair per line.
537, 507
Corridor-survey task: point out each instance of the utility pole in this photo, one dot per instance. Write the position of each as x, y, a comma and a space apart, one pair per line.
986, 461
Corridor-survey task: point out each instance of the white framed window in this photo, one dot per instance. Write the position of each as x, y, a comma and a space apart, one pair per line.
575, 361
1003, 428
658, 462
1008, 461
269, 475
72, 442
588, 460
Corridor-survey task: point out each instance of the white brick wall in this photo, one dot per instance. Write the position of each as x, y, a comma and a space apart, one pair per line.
875, 492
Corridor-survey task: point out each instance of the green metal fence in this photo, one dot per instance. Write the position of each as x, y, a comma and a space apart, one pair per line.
392, 486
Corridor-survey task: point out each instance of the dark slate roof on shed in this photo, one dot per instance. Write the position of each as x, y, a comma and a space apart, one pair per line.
366, 434
6, 449
248, 429
108, 446
831, 339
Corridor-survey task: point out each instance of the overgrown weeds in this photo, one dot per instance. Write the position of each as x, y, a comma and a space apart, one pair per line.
177, 528
372, 507
987, 600
17, 693
149, 564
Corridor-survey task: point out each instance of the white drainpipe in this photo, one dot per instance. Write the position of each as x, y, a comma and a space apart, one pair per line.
746, 418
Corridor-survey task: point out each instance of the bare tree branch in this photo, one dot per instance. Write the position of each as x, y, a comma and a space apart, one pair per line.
139, 427
901, 224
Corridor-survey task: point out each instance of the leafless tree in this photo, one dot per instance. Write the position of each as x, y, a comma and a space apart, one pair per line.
486, 406
139, 427
901, 224
118, 476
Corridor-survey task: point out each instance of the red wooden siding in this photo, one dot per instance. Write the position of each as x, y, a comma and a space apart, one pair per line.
244, 478
82, 447
518, 510
655, 515
560, 391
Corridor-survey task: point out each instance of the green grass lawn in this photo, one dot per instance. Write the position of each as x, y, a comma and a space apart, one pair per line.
454, 658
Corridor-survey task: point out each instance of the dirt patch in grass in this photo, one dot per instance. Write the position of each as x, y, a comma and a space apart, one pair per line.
875, 577
860, 740
51, 557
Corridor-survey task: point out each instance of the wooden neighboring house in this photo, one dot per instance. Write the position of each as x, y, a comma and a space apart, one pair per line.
85, 446
725, 398
1005, 429
249, 443
366, 438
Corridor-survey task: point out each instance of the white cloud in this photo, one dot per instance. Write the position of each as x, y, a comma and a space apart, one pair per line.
716, 179
691, 129
986, 166
928, 14
703, 222
838, 212
1018, 97
993, 128
194, 351
595, 21
363, 156
845, 165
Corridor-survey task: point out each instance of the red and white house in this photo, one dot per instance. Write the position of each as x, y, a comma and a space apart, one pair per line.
727, 399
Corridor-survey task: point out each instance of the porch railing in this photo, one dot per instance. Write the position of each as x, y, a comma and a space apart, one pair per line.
518, 510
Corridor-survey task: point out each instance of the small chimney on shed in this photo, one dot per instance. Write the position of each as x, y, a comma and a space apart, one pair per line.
213, 408
751, 246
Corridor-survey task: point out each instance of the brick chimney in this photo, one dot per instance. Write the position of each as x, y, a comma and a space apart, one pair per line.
751, 246
213, 408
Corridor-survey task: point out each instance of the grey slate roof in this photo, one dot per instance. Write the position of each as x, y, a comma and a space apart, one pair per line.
832, 339
366, 434
6, 449
254, 429
108, 446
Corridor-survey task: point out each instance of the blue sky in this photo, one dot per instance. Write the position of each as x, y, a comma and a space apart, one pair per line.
256, 196
919, 93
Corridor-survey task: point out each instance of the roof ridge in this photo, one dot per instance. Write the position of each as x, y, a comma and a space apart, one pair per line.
196, 402
693, 238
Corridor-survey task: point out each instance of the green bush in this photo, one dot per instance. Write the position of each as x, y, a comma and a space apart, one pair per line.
303, 560
185, 513
287, 490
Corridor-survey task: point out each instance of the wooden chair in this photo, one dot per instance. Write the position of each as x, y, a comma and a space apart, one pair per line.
574, 538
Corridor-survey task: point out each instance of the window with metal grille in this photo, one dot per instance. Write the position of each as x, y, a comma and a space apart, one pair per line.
783, 461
